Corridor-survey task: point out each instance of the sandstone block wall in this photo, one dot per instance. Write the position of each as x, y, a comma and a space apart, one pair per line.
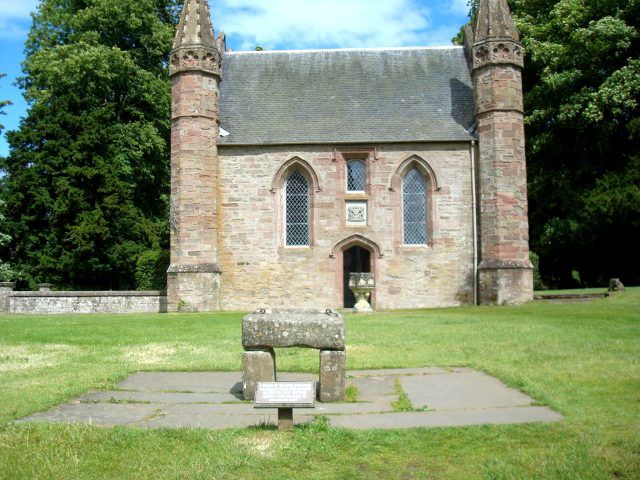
259, 270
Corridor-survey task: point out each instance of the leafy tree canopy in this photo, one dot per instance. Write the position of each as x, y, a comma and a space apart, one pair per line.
582, 90
87, 175
582, 85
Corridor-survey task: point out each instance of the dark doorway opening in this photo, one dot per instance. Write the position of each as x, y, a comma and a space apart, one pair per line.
354, 260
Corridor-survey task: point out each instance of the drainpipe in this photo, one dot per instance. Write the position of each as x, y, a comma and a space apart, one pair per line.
474, 221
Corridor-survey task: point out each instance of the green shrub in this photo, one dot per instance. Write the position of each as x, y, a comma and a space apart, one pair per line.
537, 279
151, 270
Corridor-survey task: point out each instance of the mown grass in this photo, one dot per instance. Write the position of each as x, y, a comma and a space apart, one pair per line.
582, 359
572, 291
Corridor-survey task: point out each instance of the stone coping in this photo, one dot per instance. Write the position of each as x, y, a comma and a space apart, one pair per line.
110, 293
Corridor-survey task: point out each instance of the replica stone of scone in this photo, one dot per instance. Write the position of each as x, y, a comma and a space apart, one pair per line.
323, 330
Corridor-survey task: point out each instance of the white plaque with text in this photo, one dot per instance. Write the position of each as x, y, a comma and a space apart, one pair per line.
285, 395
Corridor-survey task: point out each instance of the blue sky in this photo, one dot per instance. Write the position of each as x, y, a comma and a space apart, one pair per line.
273, 24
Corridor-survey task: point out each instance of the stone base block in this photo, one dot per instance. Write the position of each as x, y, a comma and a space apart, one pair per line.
257, 366
193, 288
333, 365
505, 286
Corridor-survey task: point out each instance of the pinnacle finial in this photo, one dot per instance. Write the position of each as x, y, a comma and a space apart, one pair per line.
494, 21
195, 47
195, 27
495, 40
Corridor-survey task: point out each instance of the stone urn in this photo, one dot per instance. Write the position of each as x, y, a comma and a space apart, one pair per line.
362, 284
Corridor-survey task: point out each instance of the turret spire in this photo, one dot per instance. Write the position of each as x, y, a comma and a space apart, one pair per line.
195, 46
495, 39
195, 27
494, 21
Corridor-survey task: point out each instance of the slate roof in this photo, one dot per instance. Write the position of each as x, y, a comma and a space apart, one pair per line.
346, 96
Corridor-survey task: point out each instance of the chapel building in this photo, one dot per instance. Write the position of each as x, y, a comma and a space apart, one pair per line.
292, 169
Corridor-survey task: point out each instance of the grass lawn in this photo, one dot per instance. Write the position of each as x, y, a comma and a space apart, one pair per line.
581, 359
571, 291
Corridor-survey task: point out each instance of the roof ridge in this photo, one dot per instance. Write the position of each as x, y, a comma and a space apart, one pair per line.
331, 50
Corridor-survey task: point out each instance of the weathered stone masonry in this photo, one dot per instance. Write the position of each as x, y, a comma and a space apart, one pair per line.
505, 272
194, 275
260, 270
393, 109
48, 302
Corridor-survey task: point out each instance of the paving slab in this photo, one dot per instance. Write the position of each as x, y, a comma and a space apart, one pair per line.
453, 396
98, 414
492, 416
158, 397
191, 382
400, 371
375, 388
461, 390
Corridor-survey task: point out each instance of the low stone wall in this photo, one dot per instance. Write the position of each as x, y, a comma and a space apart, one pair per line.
47, 302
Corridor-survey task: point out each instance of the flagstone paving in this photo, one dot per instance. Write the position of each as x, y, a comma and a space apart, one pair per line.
441, 397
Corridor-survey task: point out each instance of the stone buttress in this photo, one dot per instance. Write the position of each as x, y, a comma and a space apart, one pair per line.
505, 271
193, 279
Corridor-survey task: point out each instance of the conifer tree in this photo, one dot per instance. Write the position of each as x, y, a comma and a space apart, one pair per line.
3, 103
86, 179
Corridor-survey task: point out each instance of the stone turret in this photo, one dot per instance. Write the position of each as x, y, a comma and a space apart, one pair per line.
193, 279
505, 272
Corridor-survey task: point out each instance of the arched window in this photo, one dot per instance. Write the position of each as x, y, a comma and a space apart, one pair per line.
297, 210
414, 208
356, 176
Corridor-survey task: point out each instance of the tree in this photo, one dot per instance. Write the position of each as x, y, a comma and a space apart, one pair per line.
3, 103
582, 85
86, 180
6, 273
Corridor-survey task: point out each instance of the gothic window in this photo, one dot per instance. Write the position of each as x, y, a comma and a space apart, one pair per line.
356, 175
414, 208
297, 210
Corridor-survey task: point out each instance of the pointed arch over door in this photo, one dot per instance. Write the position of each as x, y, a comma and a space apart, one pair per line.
356, 240
355, 253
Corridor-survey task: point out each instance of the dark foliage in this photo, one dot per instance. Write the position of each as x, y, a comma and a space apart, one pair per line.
86, 180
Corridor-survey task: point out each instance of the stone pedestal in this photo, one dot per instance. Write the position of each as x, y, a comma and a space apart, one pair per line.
333, 365
264, 330
510, 283
257, 366
193, 288
285, 419
362, 284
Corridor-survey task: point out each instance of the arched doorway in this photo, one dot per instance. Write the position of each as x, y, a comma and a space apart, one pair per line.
354, 260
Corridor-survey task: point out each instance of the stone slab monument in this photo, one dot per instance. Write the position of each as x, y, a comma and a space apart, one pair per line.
264, 330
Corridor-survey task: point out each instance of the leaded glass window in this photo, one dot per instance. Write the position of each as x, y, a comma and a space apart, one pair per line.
297, 210
414, 208
356, 174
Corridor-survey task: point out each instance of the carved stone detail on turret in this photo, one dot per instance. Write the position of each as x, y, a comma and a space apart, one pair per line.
195, 47
495, 40
195, 58
495, 52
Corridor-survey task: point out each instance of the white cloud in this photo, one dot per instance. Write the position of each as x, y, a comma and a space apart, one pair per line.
328, 23
17, 8
15, 18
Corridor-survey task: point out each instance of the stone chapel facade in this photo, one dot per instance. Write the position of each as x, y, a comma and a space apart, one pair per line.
292, 169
